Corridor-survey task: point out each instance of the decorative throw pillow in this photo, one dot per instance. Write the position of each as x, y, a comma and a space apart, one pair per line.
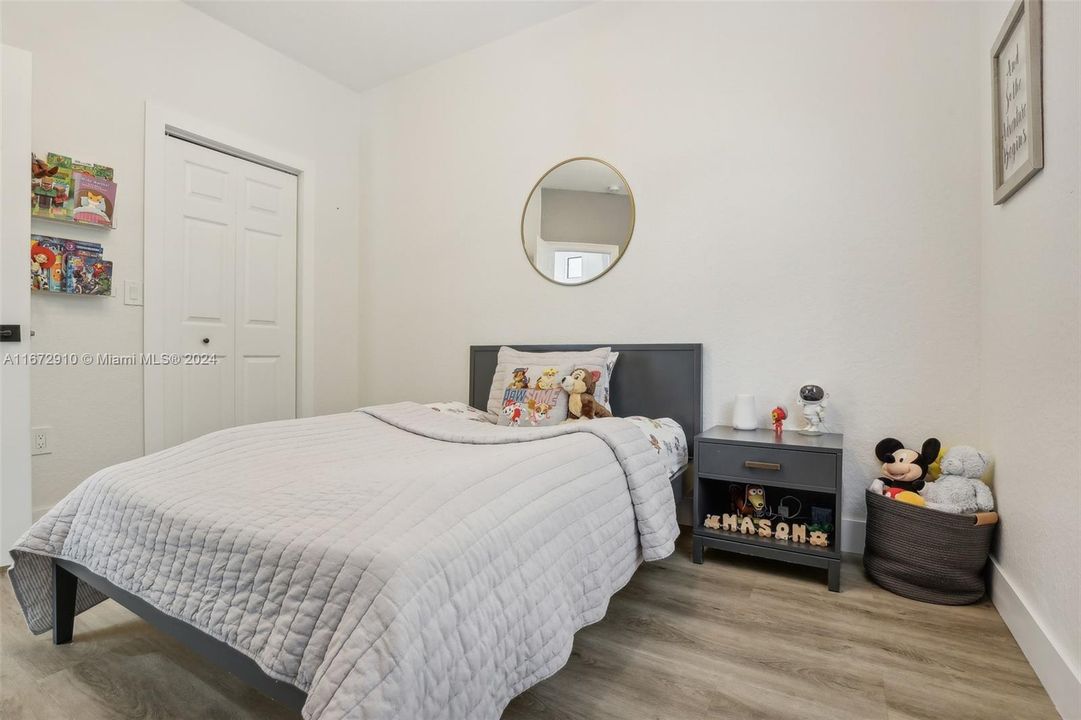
533, 396
510, 359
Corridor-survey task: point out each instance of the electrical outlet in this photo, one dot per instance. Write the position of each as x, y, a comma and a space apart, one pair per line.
40, 441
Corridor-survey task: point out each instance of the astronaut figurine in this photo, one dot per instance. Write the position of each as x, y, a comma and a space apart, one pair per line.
813, 399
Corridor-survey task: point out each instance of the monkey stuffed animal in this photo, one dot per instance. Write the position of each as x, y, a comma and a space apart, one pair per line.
580, 385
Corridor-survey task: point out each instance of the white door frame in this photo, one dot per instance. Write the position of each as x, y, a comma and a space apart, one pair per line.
160, 120
16, 485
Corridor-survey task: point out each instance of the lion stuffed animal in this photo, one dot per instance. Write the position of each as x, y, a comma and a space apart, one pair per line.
582, 405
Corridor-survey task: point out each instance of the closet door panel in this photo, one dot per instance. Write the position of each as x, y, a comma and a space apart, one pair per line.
200, 289
266, 294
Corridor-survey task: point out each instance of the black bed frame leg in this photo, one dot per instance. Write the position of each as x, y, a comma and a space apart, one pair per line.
64, 586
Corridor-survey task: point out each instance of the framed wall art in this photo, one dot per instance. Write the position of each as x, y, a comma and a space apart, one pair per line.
1017, 100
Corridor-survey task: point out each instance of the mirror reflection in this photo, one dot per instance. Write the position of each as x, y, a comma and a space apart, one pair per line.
578, 221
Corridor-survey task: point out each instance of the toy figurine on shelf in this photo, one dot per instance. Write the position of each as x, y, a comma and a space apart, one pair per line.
778, 415
813, 399
750, 501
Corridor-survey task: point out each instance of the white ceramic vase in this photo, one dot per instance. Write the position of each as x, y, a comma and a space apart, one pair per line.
744, 416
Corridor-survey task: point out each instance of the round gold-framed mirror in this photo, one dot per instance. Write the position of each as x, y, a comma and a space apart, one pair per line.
578, 221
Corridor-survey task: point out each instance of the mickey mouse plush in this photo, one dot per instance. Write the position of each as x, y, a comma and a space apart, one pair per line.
903, 469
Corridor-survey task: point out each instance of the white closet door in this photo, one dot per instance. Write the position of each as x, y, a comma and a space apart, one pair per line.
200, 289
266, 292
230, 290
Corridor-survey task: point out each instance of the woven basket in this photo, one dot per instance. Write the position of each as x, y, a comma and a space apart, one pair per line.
924, 554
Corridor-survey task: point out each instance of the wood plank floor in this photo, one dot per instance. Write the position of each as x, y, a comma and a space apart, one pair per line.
734, 638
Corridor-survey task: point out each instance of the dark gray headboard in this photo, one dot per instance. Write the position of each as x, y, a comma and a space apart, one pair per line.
657, 381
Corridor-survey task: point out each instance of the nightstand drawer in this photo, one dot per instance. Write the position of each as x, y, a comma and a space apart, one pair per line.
813, 470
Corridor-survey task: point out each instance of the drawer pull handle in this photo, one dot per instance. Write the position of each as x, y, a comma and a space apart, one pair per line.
756, 465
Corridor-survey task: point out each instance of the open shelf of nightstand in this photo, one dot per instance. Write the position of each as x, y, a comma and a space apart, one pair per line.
758, 541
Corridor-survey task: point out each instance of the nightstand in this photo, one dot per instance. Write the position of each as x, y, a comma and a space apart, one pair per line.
797, 471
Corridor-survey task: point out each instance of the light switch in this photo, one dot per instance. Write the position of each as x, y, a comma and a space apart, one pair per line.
133, 292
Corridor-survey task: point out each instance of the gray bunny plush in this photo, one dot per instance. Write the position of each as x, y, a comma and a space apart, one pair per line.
959, 488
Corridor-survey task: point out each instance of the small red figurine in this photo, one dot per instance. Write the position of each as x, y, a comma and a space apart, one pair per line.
779, 415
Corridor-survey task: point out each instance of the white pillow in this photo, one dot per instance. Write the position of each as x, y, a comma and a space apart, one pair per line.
509, 359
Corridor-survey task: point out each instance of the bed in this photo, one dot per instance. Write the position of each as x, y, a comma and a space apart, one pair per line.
393, 562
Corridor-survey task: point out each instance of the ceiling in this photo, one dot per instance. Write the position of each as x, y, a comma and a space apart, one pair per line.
584, 175
364, 44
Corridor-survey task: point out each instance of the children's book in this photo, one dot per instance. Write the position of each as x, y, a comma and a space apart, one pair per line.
94, 199
82, 247
46, 263
51, 188
73, 270
93, 276
100, 171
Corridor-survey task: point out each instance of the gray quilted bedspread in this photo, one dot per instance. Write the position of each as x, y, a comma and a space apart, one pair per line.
393, 562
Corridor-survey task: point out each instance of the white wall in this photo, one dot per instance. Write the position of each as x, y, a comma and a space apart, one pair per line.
95, 65
806, 192
15, 484
1030, 374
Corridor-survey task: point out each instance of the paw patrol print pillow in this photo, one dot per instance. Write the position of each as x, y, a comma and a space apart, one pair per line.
533, 396
511, 359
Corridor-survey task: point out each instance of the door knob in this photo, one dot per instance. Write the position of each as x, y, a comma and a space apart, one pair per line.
206, 341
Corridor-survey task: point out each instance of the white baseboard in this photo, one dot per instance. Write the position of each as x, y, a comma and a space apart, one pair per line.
853, 533
1062, 682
